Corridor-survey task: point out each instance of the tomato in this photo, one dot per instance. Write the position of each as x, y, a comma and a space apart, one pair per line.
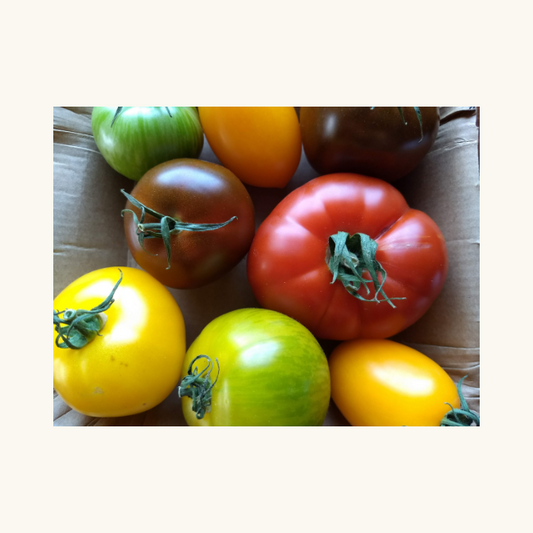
382, 142
192, 192
261, 145
384, 383
309, 252
271, 372
139, 138
135, 361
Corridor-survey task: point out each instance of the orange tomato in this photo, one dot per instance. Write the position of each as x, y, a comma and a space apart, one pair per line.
262, 146
384, 383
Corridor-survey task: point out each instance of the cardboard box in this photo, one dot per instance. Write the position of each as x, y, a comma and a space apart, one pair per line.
89, 234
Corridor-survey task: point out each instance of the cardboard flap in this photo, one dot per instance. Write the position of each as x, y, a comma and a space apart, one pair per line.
88, 230
446, 186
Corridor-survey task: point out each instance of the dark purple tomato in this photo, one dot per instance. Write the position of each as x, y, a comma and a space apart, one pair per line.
381, 142
194, 193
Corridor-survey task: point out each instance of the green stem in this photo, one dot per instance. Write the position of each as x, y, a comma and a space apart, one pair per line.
76, 328
198, 387
117, 113
463, 416
348, 257
166, 227
418, 116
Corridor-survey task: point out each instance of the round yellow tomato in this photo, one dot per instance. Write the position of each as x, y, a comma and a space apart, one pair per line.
262, 146
384, 383
135, 361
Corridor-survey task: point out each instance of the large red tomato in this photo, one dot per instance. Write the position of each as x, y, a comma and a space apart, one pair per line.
316, 252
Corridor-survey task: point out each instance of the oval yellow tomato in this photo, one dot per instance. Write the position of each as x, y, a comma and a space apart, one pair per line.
262, 146
135, 361
384, 383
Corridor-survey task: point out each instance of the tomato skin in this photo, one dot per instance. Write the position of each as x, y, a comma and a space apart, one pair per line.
136, 362
261, 145
287, 267
273, 372
142, 137
373, 142
384, 383
196, 192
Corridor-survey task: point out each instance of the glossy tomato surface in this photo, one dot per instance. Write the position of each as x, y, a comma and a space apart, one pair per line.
273, 372
287, 266
384, 383
261, 145
139, 138
374, 142
136, 361
196, 192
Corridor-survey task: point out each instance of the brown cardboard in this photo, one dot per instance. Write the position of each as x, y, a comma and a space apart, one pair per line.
446, 187
88, 234
87, 201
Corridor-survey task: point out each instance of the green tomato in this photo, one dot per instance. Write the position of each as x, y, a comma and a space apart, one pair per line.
271, 372
135, 139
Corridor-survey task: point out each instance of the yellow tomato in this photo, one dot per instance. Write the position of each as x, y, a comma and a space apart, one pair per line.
262, 146
384, 383
135, 361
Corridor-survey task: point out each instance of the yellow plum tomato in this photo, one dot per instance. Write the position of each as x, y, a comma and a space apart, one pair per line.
385, 383
262, 146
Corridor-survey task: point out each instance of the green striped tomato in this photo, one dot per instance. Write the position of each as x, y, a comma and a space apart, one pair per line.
135, 139
272, 372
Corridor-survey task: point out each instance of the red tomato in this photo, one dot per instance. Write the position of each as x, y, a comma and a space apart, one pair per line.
262, 146
289, 273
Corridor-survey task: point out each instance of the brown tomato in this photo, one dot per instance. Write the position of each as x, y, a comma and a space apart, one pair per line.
195, 193
382, 142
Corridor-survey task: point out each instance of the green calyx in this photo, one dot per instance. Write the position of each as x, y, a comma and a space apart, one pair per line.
76, 328
197, 386
119, 110
166, 227
463, 416
348, 257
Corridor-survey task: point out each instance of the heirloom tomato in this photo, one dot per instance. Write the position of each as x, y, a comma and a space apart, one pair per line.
198, 222
261, 145
255, 367
383, 142
384, 383
135, 139
345, 255
134, 361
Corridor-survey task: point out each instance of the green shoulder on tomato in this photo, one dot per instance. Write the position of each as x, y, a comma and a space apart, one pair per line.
135, 139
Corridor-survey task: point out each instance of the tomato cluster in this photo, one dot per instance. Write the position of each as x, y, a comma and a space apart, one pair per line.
342, 257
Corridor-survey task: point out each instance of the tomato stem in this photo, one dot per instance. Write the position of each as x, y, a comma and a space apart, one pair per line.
348, 257
463, 416
76, 328
194, 385
166, 226
418, 116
